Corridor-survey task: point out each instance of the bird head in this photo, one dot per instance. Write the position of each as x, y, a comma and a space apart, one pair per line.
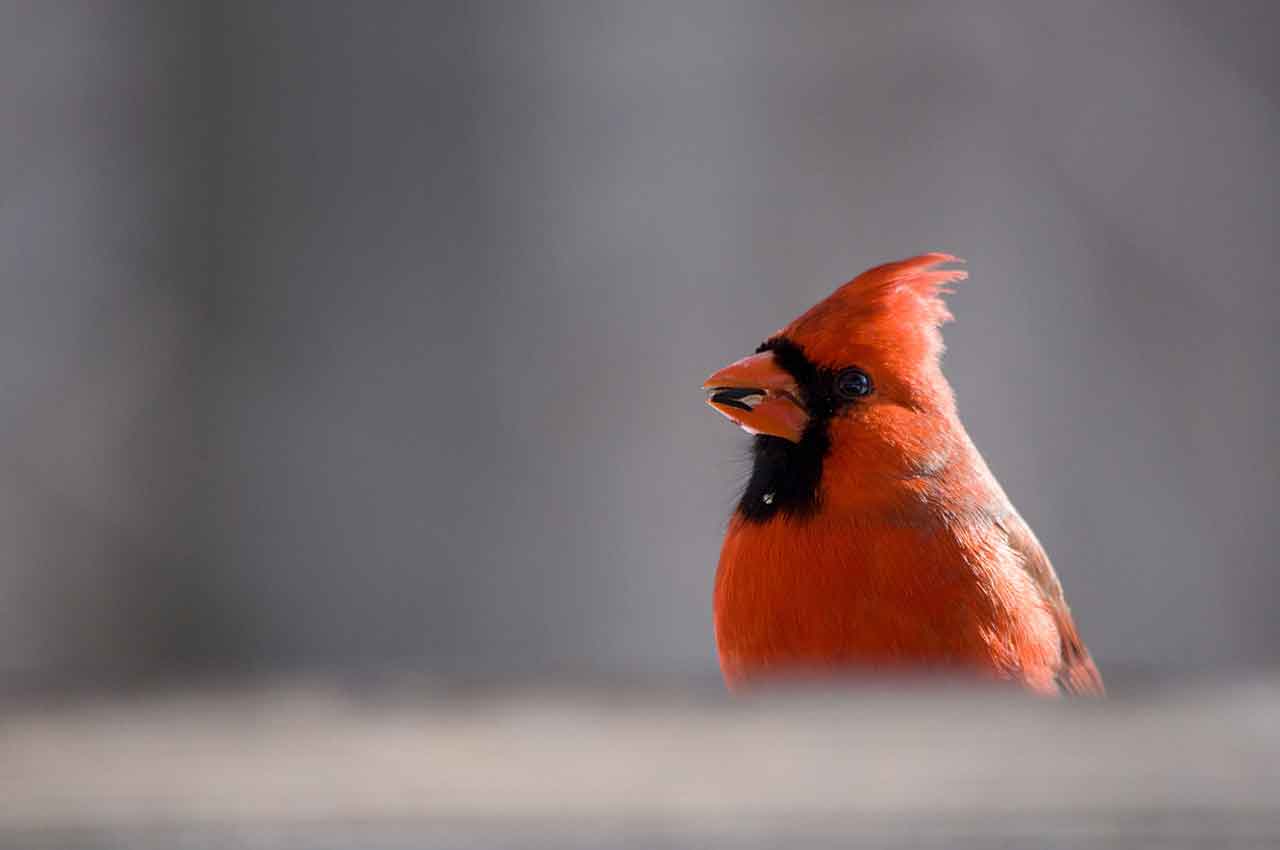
848, 396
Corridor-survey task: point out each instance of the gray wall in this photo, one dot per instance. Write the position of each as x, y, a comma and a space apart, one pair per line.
101, 251
370, 334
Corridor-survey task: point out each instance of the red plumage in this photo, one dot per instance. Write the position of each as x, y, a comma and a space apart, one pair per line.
873, 537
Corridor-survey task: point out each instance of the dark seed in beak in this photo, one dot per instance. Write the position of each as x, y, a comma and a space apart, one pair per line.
735, 396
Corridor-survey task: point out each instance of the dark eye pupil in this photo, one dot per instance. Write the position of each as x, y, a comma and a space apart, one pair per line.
853, 383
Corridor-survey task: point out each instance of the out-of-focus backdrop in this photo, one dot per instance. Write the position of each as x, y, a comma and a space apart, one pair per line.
356, 488
366, 336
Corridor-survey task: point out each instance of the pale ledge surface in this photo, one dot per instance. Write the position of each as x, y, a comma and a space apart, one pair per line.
315, 766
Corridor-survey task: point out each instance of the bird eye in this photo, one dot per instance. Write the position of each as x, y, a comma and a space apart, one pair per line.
853, 383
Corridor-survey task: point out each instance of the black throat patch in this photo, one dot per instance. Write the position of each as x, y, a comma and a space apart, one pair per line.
785, 476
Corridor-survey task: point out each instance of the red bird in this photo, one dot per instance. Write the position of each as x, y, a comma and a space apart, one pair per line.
871, 535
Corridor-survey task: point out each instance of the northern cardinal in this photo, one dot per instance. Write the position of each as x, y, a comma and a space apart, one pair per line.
871, 535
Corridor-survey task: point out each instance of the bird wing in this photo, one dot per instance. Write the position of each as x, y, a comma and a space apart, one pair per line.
1078, 674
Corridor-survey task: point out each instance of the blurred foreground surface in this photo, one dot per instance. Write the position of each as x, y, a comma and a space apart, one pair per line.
394, 766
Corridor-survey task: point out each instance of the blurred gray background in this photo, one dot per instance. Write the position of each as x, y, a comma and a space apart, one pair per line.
356, 336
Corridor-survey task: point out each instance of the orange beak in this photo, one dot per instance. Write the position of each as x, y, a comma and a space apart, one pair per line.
760, 396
